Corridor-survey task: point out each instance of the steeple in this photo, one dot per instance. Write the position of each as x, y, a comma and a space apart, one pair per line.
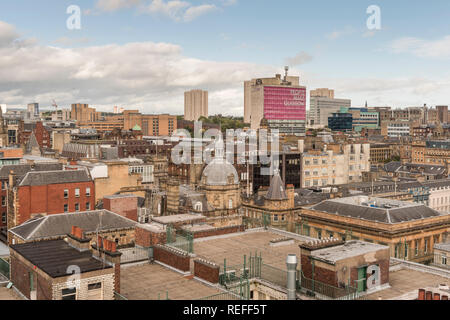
276, 190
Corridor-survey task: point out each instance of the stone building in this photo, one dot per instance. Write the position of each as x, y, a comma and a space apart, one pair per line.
409, 229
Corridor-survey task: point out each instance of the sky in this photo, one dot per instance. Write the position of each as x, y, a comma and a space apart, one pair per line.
143, 54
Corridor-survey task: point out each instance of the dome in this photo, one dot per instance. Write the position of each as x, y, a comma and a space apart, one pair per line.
137, 128
217, 172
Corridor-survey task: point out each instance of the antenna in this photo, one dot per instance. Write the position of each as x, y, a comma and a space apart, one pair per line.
286, 70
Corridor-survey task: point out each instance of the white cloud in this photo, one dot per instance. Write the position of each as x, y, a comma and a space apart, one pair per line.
145, 75
113, 5
299, 59
178, 10
439, 48
194, 12
8, 34
340, 33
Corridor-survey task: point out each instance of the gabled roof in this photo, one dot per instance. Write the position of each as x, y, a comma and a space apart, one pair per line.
56, 256
41, 178
276, 190
58, 225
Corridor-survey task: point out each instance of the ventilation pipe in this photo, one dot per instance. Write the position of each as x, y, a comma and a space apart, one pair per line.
291, 263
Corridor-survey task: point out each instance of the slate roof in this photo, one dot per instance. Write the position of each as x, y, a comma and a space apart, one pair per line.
21, 170
276, 190
55, 256
59, 225
406, 212
55, 177
443, 246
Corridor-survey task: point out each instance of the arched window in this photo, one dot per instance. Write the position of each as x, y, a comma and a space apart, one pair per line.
198, 206
230, 204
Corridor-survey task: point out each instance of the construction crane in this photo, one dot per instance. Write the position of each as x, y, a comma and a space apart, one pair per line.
55, 105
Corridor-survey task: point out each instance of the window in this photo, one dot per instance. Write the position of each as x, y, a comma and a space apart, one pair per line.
426, 246
283, 218
3, 217
77, 207
198, 206
230, 204
88, 192
88, 206
69, 294
3, 185
95, 286
3, 201
66, 208
77, 192
66, 193
275, 217
444, 259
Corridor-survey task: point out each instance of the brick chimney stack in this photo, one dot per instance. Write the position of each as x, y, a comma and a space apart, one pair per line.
106, 250
77, 240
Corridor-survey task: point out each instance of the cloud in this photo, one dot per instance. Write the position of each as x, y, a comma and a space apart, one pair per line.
439, 48
339, 33
299, 59
177, 10
194, 12
66, 41
8, 34
148, 76
113, 5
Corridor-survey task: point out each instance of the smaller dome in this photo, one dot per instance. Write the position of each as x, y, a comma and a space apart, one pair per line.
137, 128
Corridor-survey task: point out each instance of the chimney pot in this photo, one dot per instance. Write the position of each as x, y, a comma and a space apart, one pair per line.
429, 295
421, 294
437, 296
444, 297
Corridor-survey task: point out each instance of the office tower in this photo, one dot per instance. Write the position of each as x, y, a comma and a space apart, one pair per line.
195, 105
322, 105
281, 102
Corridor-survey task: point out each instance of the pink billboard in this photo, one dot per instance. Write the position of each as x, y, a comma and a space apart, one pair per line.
284, 103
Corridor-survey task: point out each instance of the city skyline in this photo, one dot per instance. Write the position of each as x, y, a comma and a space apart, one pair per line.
138, 54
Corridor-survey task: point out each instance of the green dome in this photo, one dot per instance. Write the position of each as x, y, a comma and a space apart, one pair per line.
137, 128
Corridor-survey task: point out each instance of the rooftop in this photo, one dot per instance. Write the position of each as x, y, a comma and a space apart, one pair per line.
233, 247
177, 218
405, 284
376, 209
443, 246
55, 177
58, 225
55, 256
349, 249
146, 282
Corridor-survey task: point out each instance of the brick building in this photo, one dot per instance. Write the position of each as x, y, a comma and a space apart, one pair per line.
44, 270
19, 171
356, 264
49, 192
41, 132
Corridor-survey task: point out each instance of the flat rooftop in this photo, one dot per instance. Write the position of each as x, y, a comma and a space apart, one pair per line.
177, 218
349, 249
145, 282
407, 282
8, 294
443, 246
234, 247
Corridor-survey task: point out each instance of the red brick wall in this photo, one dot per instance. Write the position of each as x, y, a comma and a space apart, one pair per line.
126, 207
219, 231
50, 199
206, 271
171, 258
145, 238
117, 277
21, 279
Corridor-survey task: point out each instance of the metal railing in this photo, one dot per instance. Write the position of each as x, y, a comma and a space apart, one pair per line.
118, 296
325, 291
180, 239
